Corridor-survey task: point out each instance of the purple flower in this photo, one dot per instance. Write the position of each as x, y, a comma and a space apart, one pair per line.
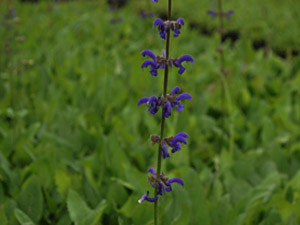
179, 107
175, 142
175, 103
215, 14
146, 198
182, 59
228, 14
156, 63
163, 185
165, 153
177, 26
162, 28
167, 109
173, 180
153, 102
154, 0
212, 13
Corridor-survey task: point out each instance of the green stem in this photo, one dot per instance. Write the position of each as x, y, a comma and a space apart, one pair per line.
225, 90
162, 117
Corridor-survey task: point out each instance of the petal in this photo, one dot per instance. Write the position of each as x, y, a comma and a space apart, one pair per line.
152, 170
183, 58
158, 22
176, 33
178, 139
162, 34
149, 63
180, 20
153, 72
154, 0
143, 100
181, 70
143, 198
184, 96
212, 13
152, 199
176, 180
167, 109
180, 107
165, 152
153, 100
182, 134
169, 188
176, 147
175, 90
149, 53
228, 14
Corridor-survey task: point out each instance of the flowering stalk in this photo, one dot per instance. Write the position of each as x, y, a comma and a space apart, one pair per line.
7, 24
221, 14
166, 102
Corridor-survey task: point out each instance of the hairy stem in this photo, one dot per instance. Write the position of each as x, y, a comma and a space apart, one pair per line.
162, 117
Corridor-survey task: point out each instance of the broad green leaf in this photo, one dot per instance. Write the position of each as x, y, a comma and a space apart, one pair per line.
22, 218
81, 213
30, 199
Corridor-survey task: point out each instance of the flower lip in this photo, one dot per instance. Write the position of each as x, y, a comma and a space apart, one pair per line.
184, 96
182, 59
151, 170
143, 100
165, 153
149, 53
176, 180
146, 198
149, 63
175, 90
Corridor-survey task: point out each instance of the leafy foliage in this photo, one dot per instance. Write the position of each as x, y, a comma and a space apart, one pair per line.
81, 150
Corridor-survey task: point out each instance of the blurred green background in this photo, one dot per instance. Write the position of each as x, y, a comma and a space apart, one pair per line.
75, 148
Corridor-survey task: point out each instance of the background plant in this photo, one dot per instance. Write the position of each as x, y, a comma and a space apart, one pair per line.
87, 142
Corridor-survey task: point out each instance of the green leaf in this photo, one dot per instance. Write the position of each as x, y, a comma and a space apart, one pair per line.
30, 200
81, 213
22, 218
3, 219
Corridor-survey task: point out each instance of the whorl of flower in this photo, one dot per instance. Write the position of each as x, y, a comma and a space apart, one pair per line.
153, 102
174, 142
167, 103
214, 14
177, 26
162, 26
182, 59
228, 14
157, 62
163, 185
145, 15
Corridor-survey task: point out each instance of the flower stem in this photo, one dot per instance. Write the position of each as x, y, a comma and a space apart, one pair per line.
225, 90
162, 117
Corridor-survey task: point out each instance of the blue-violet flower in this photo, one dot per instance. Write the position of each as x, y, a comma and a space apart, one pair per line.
174, 143
167, 103
182, 59
163, 26
163, 185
